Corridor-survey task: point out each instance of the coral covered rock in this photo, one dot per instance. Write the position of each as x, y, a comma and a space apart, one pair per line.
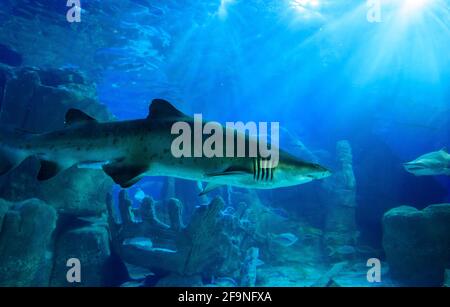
340, 222
447, 278
36, 100
4, 207
91, 246
201, 247
417, 243
26, 244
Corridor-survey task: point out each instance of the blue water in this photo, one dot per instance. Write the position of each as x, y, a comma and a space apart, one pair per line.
318, 67
325, 73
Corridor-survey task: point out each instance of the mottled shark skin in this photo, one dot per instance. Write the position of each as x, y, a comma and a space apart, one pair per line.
430, 164
130, 150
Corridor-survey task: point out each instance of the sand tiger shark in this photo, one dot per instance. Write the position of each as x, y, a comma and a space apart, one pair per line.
130, 150
430, 164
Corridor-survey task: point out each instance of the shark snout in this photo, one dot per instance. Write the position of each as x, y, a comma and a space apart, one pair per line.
414, 166
320, 172
419, 168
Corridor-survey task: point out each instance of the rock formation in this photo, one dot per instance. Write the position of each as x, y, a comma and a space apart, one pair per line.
90, 245
417, 244
26, 243
38, 228
248, 270
36, 100
201, 247
340, 222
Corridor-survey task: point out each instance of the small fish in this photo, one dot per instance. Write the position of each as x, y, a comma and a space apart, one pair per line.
259, 262
137, 273
132, 284
345, 250
285, 239
139, 195
163, 250
139, 242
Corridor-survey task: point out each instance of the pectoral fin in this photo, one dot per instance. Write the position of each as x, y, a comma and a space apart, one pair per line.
125, 174
209, 187
231, 171
48, 170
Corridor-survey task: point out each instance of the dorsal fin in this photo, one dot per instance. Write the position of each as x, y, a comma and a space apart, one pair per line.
160, 108
75, 116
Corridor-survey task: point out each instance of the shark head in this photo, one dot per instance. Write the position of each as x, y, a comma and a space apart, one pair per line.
293, 171
422, 168
434, 163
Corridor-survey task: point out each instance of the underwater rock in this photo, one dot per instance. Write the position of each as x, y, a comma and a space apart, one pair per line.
168, 189
26, 244
447, 278
148, 212
125, 207
9, 56
254, 214
248, 270
417, 244
284, 239
78, 192
184, 190
4, 207
137, 273
34, 106
223, 282
199, 247
5, 74
57, 76
31, 105
174, 280
175, 215
327, 279
91, 246
340, 221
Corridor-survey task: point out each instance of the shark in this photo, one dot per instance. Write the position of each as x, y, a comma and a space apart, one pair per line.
129, 150
430, 164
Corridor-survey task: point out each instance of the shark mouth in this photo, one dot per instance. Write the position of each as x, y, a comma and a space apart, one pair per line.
412, 167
